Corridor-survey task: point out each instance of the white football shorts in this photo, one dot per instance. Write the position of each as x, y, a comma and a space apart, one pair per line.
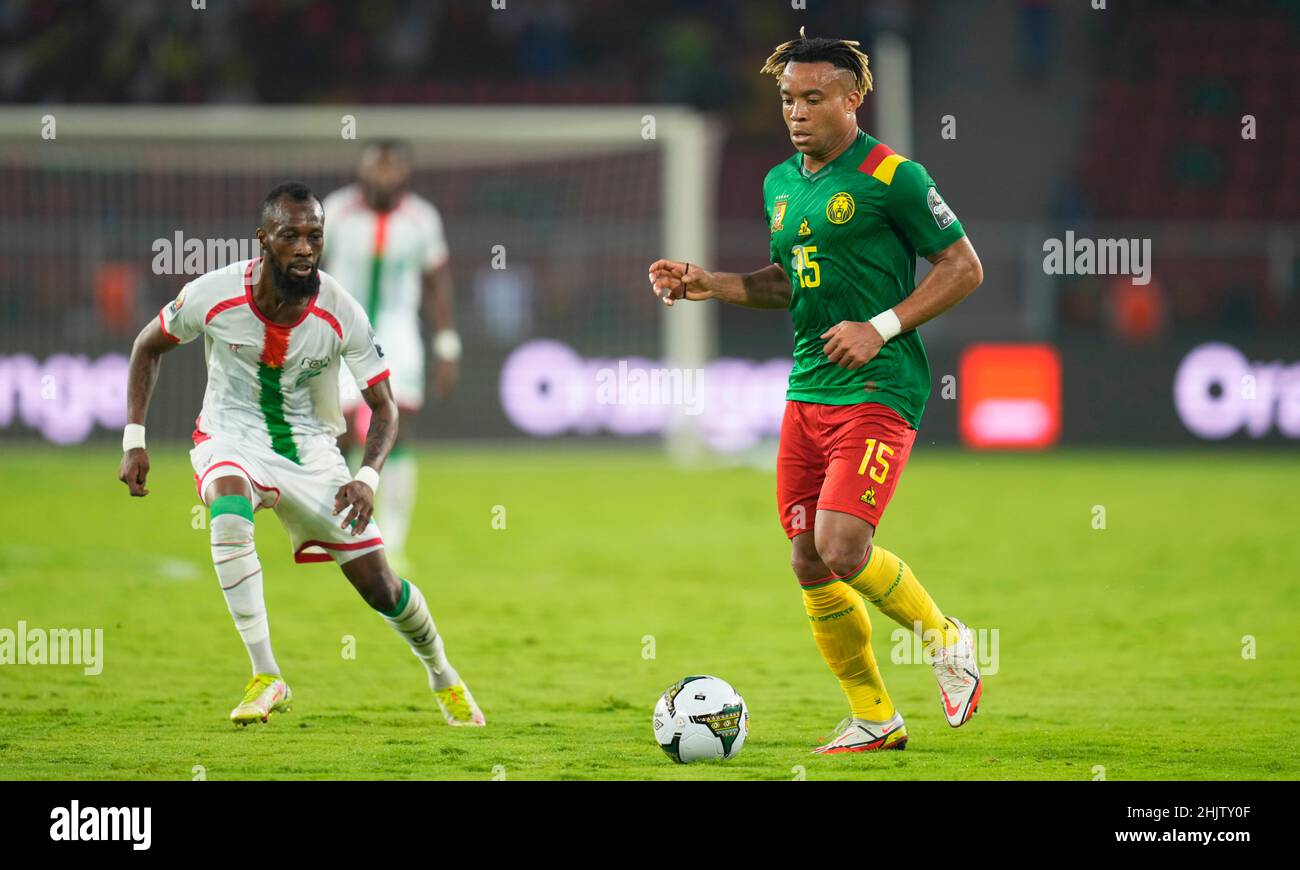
302, 496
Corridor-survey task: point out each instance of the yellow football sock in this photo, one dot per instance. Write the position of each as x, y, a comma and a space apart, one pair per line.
842, 630
887, 582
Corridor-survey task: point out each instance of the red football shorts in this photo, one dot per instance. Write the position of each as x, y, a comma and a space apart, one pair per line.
843, 458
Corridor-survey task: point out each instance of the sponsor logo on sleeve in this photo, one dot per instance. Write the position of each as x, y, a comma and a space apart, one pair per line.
175, 304
943, 215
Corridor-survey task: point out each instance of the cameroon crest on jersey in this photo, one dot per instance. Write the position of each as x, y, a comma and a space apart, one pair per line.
840, 209
778, 215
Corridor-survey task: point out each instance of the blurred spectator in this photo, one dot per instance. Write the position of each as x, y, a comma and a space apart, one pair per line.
1037, 27
1136, 312
1159, 137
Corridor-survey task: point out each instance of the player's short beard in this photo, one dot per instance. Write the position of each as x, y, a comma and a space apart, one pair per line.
292, 289
382, 199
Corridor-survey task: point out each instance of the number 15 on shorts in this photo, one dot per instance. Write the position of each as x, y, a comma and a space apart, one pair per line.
877, 451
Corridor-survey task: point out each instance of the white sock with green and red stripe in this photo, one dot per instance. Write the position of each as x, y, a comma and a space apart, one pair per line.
411, 619
240, 574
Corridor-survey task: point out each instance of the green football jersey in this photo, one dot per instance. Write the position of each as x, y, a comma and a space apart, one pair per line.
848, 236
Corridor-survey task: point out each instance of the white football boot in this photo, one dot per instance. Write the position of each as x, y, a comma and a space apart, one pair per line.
958, 676
860, 735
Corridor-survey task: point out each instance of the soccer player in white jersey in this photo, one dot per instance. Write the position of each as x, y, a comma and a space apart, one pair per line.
387, 248
275, 330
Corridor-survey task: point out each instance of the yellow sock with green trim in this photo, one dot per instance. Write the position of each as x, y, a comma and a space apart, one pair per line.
842, 630
887, 582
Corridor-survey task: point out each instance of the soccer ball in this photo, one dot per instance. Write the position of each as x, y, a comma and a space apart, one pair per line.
700, 718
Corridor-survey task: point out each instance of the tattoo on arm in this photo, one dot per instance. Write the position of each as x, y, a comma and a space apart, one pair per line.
379, 440
383, 424
141, 378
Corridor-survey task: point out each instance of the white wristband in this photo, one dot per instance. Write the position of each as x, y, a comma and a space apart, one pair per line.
368, 476
446, 345
132, 437
887, 324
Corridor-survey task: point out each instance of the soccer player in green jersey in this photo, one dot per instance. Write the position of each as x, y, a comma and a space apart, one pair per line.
848, 218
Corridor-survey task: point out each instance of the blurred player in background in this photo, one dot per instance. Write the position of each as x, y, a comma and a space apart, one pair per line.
276, 331
387, 247
848, 218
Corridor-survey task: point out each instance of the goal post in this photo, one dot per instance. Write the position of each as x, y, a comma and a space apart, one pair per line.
611, 186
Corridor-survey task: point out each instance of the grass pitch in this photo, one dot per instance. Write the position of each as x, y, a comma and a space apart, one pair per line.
1120, 649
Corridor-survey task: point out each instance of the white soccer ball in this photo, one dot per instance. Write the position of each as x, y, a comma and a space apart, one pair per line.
700, 718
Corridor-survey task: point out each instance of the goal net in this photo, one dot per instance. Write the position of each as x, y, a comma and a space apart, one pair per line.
551, 214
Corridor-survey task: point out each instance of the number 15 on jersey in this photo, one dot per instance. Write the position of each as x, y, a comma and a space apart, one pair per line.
808, 270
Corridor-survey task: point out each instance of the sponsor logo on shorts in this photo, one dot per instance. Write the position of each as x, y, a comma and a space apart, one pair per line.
869, 496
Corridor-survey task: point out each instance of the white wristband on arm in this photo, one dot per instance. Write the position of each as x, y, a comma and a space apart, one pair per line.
446, 345
887, 324
132, 437
368, 476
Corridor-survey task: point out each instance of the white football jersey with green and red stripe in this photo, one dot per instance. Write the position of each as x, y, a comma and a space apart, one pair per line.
276, 384
380, 256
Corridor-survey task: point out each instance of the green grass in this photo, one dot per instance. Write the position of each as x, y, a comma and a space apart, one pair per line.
1119, 647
